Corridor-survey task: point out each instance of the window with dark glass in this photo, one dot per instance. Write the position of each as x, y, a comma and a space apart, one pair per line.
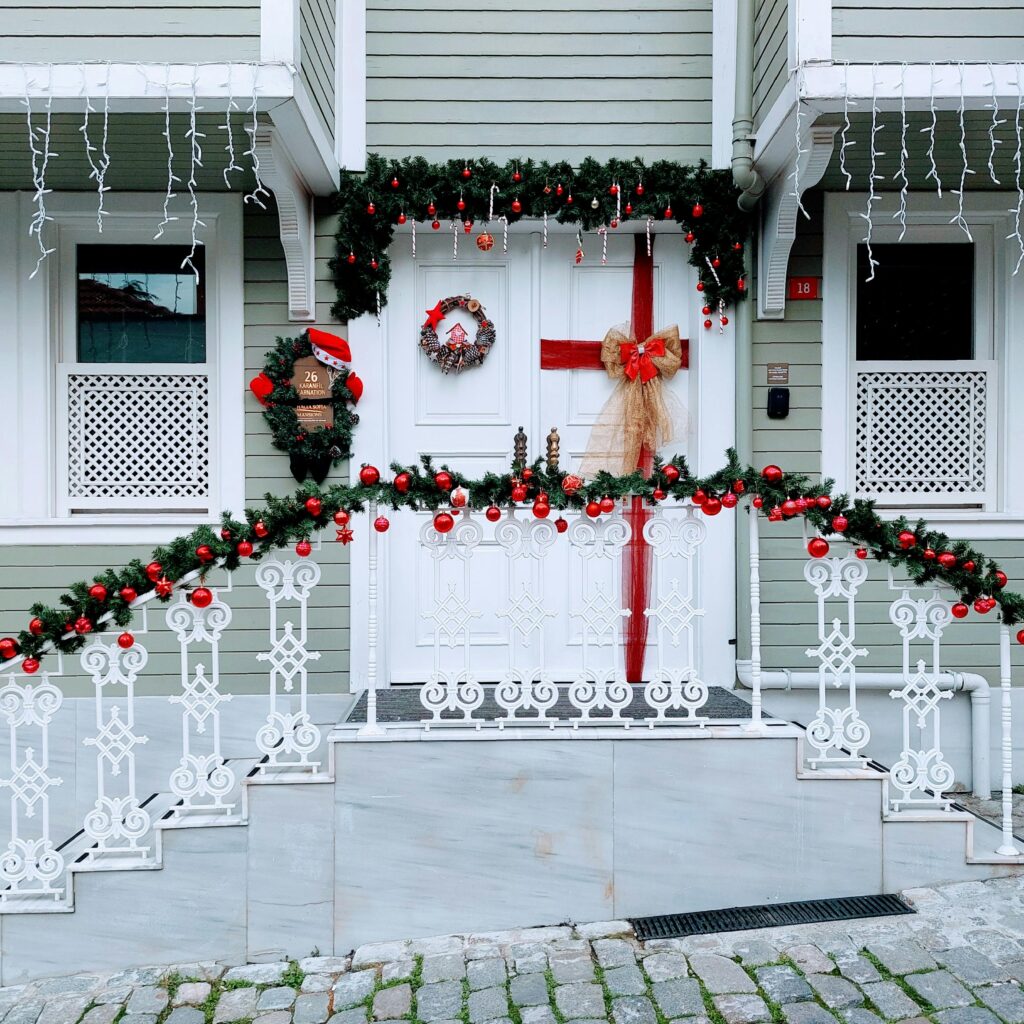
137, 304
920, 304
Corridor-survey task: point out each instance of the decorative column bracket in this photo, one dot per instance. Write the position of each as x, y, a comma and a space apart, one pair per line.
295, 220
780, 219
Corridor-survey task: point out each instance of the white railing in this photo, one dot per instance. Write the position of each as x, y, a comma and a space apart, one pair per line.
559, 596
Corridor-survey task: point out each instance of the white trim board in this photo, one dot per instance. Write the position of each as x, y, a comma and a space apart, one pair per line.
999, 316
723, 80
33, 349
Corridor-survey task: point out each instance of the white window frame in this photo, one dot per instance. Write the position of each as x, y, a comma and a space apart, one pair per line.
999, 316
43, 313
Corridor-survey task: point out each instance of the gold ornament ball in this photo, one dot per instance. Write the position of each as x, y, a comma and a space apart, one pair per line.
485, 241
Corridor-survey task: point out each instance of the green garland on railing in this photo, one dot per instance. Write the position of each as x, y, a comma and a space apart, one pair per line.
926, 555
591, 195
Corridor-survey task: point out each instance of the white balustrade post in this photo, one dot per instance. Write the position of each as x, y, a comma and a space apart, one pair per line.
370, 728
31, 863
1008, 848
116, 821
287, 737
755, 618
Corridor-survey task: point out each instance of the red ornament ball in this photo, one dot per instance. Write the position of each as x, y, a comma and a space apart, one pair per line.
1001, 578
369, 475
436, 225
341, 517
431, 208
738, 486
493, 513
225, 534
461, 204
982, 605
707, 325
773, 474
260, 528
960, 610
729, 500
128, 594
758, 501
401, 218
83, 625
700, 286
527, 473
519, 492
690, 236
485, 241
30, 666
541, 509
861, 553
561, 525
671, 472
840, 523
712, 506
928, 554
724, 320
8, 647
371, 209
394, 182
629, 209
381, 524
741, 285
790, 507
35, 627
244, 548
303, 548
716, 263
98, 592
698, 210
706, 310
907, 539
466, 172
202, 597
402, 482
947, 560
444, 522
737, 247
517, 207
817, 547
459, 497
668, 213
1020, 636
516, 176
204, 553
823, 501
350, 258
607, 504
969, 566
571, 483
699, 496
154, 571
640, 188
658, 495
314, 506
593, 509
126, 640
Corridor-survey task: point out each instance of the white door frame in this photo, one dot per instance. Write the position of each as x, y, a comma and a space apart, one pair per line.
712, 377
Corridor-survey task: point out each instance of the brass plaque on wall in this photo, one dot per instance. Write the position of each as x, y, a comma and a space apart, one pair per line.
311, 379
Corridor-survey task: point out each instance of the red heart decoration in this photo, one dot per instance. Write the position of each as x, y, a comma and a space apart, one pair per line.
355, 386
261, 386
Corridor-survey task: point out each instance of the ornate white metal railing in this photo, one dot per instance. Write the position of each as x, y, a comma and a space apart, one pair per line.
552, 597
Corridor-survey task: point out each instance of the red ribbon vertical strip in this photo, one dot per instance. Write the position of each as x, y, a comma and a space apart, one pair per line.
637, 555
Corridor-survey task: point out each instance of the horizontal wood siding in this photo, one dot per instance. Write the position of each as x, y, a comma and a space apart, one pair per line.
771, 53
788, 610
523, 78
923, 30
316, 32
150, 30
41, 572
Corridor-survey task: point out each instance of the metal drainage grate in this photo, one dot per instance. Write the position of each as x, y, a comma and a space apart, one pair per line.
771, 915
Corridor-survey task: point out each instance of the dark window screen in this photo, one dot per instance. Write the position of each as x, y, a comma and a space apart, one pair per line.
920, 304
136, 304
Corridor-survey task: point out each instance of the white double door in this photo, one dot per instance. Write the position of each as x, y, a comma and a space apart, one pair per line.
468, 421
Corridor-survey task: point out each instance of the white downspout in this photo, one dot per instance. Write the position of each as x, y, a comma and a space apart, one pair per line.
977, 686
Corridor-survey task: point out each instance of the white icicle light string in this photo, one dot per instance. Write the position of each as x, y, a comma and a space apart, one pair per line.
1018, 209
901, 174
195, 161
959, 218
258, 191
930, 129
844, 140
801, 149
171, 176
97, 170
993, 125
229, 148
40, 161
872, 174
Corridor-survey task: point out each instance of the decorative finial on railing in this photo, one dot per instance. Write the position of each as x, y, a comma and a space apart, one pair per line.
553, 441
519, 449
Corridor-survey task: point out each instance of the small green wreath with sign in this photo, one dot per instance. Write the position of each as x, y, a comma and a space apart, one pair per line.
307, 393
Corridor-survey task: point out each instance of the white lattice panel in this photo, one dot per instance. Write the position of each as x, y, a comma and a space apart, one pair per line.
137, 440
925, 434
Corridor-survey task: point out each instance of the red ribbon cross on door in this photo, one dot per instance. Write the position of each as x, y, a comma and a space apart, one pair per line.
586, 355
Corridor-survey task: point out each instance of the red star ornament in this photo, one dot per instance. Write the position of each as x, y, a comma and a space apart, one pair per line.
345, 536
434, 317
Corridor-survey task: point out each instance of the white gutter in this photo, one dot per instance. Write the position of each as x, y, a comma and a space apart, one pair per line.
974, 684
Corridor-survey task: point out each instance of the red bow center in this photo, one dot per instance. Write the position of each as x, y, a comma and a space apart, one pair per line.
637, 361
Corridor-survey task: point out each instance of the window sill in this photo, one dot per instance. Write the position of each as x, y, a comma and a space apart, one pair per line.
108, 529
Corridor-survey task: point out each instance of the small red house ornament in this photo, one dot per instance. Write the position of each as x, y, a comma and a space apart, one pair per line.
457, 337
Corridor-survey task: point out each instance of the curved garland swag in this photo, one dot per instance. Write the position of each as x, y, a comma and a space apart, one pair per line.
925, 554
469, 194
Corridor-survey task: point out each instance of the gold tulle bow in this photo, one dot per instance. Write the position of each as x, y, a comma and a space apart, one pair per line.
636, 415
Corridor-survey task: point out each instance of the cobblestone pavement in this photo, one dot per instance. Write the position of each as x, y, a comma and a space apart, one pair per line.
959, 960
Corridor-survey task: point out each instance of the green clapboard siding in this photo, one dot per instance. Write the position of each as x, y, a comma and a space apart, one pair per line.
316, 33
788, 608
771, 53
522, 78
41, 572
152, 30
923, 30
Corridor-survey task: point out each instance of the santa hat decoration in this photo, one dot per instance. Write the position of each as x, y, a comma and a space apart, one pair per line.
329, 348
354, 383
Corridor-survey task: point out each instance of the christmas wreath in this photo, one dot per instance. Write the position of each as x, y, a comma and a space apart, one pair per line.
456, 352
306, 392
